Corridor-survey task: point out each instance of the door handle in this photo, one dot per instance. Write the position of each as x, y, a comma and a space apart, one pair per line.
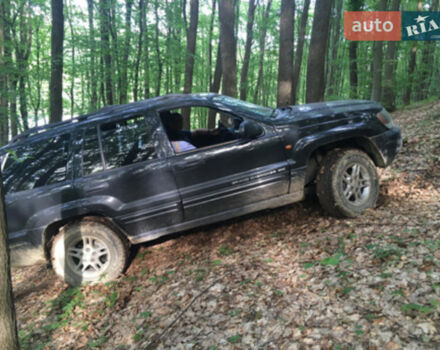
190, 164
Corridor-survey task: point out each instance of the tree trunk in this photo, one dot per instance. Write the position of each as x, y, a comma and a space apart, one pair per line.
56, 76
4, 62
92, 50
8, 323
388, 97
299, 51
228, 47
317, 51
411, 69
376, 82
355, 5
215, 86
13, 104
211, 30
427, 61
104, 17
262, 44
123, 95
142, 7
247, 50
191, 36
158, 58
334, 63
72, 73
285, 61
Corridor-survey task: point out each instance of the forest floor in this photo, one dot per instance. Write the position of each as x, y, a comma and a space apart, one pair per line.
288, 278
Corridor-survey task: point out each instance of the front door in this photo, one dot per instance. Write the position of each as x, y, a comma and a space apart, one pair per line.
228, 177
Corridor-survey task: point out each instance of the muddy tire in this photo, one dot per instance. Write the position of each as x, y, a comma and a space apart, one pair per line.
347, 183
88, 252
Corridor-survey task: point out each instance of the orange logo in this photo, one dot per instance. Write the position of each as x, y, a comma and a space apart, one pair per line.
373, 25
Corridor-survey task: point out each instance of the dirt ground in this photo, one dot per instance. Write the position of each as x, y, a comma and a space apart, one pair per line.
289, 278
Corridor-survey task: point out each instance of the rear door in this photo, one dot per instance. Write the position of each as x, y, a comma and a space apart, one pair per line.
126, 176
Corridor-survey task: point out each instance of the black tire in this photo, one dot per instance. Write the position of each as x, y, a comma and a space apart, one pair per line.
347, 183
88, 252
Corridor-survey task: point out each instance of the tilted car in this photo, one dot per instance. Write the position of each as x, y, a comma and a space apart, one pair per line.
80, 192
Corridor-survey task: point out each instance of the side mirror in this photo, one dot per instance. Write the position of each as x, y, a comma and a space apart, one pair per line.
250, 130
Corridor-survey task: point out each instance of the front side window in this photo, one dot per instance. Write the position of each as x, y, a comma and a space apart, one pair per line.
123, 142
37, 164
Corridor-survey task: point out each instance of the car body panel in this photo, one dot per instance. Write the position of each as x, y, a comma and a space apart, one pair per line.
175, 192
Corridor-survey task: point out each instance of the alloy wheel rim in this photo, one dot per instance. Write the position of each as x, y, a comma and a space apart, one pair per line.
88, 256
356, 184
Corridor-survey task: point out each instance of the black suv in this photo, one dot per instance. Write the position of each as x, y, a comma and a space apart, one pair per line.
80, 192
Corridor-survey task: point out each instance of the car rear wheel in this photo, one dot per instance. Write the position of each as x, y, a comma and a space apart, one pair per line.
347, 183
88, 252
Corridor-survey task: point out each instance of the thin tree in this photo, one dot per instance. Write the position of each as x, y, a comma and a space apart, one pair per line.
215, 85
247, 50
388, 95
318, 47
157, 46
191, 36
333, 62
299, 51
92, 52
355, 5
104, 17
123, 94
376, 82
22, 44
56, 76
285, 60
142, 19
8, 323
228, 47
262, 43
4, 65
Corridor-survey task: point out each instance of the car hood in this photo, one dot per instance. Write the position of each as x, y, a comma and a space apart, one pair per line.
320, 109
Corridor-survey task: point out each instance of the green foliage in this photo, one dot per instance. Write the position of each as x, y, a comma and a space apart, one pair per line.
224, 250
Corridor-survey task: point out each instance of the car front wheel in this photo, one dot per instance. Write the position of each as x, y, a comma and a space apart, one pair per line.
347, 183
88, 252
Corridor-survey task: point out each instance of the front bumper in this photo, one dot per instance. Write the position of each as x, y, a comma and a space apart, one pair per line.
389, 144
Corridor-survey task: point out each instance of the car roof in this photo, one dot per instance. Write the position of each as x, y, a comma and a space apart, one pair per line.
169, 101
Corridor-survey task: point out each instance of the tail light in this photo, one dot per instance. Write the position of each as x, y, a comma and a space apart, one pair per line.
385, 118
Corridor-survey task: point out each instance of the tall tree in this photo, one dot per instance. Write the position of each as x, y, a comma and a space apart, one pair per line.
376, 81
142, 19
285, 61
4, 64
157, 46
22, 44
299, 50
56, 76
191, 36
8, 324
104, 17
262, 43
247, 50
92, 52
334, 65
215, 85
388, 95
411, 69
317, 51
228, 47
355, 5
123, 95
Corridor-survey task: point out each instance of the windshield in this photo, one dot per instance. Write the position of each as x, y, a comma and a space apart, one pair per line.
243, 106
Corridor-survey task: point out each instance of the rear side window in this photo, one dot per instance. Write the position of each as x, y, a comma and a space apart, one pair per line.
124, 142
37, 164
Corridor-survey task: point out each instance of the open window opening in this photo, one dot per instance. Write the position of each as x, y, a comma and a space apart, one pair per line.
207, 127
